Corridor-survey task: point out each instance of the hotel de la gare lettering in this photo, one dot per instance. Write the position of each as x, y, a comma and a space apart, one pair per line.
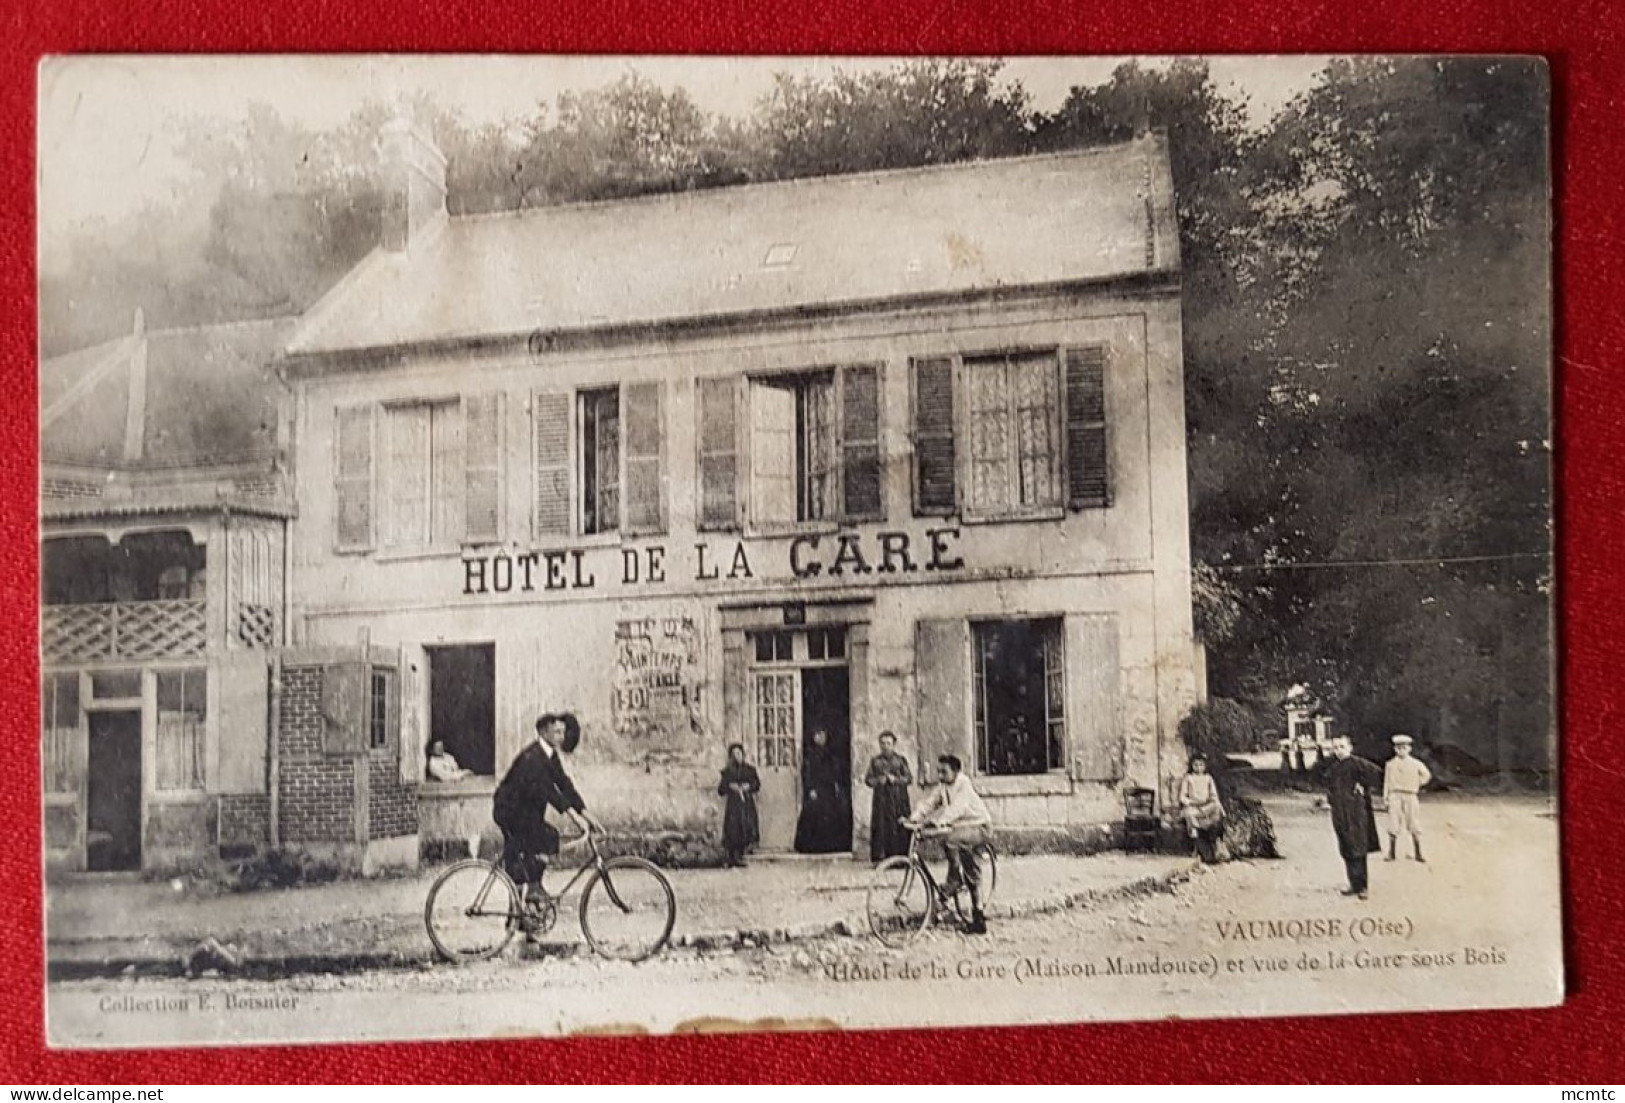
897, 451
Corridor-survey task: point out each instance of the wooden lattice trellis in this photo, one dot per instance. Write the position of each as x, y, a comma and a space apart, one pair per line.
124, 630
256, 625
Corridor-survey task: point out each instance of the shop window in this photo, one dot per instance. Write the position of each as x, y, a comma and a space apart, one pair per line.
1034, 433
814, 447
59, 711
1019, 690
182, 715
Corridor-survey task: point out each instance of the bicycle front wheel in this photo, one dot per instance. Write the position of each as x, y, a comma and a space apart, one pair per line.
628, 909
472, 911
899, 901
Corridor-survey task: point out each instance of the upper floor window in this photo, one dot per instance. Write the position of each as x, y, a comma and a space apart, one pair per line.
1010, 434
418, 475
813, 444
607, 473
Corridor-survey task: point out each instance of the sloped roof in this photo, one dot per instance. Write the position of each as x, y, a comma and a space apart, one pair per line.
1077, 216
211, 396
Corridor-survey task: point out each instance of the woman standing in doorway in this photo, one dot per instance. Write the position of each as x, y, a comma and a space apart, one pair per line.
890, 778
826, 809
739, 784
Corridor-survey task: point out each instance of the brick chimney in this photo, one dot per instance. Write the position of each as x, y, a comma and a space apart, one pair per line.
414, 179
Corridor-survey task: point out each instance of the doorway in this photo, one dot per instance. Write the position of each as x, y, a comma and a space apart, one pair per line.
113, 792
462, 704
824, 825
799, 683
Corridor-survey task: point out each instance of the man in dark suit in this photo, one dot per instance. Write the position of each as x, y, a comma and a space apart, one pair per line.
1350, 781
535, 780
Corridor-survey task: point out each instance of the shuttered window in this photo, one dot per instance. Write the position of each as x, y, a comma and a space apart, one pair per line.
353, 485
60, 713
1088, 485
482, 439
860, 442
551, 440
935, 486
644, 497
1010, 434
719, 453
815, 446
600, 460
423, 476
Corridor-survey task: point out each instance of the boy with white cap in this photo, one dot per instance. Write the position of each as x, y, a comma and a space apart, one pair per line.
1402, 781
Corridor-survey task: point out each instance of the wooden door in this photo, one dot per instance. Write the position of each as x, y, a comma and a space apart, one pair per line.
113, 792
776, 708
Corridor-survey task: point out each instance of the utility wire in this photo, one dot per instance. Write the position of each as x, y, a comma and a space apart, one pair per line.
1342, 564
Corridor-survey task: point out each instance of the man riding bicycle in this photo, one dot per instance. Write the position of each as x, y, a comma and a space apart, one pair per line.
955, 808
535, 780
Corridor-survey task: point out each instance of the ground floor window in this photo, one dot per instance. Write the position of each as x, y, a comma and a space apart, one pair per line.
59, 710
1019, 696
462, 706
182, 713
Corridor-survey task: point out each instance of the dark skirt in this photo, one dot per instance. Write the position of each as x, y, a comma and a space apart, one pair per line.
825, 825
887, 836
740, 830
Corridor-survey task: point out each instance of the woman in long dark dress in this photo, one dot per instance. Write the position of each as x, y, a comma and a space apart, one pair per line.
739, 784
889, 777
825, 823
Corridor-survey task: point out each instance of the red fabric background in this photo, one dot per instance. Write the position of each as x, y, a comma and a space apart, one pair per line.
1574, 1044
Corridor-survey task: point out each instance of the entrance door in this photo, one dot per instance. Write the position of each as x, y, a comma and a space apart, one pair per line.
776, 703
825, 707
113, 792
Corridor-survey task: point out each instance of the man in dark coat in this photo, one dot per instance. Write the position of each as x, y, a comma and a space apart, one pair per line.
535, 780
1350, 780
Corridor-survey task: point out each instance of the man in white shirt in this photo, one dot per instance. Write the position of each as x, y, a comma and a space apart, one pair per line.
955, 806
1402, 781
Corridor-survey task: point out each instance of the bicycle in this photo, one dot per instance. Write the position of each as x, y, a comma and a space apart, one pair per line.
627, 907
904, 898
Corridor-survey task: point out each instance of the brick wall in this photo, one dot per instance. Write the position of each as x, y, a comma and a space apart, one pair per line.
245, 819
317, 791
392, 806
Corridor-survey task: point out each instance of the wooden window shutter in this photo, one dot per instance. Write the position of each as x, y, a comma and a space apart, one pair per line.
482, 444
935, 491
860, 442
1088, 480
642, 419
719, 453
345, 690
551, 422
354, 507
1094, 673
941, 692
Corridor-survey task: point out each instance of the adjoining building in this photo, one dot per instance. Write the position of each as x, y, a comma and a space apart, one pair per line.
900, 450
164, 510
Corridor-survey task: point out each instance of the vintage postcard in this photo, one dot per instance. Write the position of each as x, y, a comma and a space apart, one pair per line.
543, 545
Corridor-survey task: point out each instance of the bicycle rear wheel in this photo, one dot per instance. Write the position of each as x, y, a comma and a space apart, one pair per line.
898, 903
472, 911
628, 909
